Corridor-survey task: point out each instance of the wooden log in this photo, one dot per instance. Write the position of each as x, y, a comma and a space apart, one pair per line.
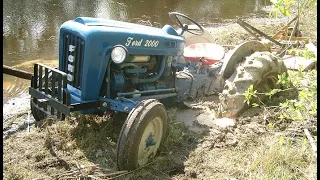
17, 73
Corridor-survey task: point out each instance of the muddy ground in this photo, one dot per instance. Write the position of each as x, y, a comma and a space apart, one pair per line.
86, 147
246, 148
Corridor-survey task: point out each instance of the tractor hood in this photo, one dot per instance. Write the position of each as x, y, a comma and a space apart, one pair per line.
138, 39
115, 24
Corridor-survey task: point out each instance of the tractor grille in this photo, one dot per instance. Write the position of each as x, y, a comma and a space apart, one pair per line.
73, 57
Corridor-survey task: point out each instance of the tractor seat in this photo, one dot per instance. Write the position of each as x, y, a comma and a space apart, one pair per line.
207, 53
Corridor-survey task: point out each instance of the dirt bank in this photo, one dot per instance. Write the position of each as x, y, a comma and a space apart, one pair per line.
231, 33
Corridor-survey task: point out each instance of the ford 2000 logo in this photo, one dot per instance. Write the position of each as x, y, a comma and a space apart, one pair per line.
140, 42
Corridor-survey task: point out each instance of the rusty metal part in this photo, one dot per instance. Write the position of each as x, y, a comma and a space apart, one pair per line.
288, 33
284, 29
17, 72
238, 54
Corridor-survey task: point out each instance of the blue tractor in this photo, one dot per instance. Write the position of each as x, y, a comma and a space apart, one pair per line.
107, 65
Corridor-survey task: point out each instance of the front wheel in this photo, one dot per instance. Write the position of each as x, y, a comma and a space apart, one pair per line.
141, 134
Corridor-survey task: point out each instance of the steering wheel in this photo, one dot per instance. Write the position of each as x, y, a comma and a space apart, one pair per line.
174, 17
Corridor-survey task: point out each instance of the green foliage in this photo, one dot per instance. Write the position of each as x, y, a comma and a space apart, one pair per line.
272, 92
302, 53
281, 5
291, 109
302, 108
248, 94
281, 140
284, 80
306, 4
306, 105
255, 105
284, 6
271, 125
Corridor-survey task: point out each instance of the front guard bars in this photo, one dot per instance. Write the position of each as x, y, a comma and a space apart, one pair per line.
49, 91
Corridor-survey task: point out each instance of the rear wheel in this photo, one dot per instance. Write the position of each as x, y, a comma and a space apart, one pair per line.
261, 69
141, 134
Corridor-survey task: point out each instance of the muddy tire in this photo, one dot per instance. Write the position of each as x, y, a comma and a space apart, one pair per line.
141, 134
261, 69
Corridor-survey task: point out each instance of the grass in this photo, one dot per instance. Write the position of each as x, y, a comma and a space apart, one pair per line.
59, 149
284, 161
263, 158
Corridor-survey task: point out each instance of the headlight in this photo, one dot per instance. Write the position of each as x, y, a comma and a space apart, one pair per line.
118, 54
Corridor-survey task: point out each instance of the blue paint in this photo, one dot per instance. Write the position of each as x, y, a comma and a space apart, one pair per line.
100, 36
150, 141
122, 104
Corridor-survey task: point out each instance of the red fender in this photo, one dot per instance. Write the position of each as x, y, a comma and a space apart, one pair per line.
209, 53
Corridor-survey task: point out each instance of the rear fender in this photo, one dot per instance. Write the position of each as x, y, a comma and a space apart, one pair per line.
237, 55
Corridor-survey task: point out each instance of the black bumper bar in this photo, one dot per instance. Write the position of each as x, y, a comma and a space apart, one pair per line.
49, 92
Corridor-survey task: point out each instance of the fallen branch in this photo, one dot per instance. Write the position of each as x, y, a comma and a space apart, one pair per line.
311, 141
